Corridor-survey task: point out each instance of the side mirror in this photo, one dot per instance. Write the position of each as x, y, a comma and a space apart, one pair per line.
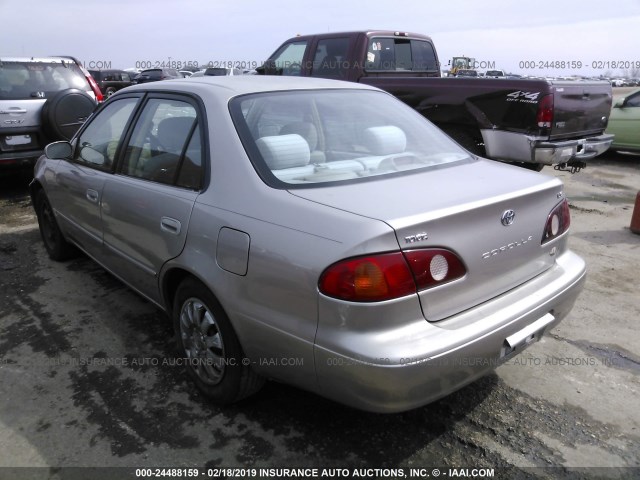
59, 150
267, 68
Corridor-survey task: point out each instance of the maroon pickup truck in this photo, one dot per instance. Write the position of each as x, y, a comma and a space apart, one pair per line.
530, 122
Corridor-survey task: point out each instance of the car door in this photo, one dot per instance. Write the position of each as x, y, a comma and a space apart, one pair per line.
147, 204
625, 123
79, 182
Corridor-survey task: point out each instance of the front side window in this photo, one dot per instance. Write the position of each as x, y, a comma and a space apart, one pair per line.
165, 141
633, 101
311, 138
98, 143
393, 54
288, 60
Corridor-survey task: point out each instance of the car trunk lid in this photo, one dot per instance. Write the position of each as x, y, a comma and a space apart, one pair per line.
460, 208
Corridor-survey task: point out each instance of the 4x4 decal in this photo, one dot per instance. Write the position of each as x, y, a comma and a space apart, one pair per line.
523, 97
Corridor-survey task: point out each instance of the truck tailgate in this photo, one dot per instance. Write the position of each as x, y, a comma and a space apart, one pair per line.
580, 108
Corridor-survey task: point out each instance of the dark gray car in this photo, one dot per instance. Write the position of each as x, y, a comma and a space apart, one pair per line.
156, 74
110, 81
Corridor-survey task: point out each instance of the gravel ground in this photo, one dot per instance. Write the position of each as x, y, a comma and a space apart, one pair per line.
68, 398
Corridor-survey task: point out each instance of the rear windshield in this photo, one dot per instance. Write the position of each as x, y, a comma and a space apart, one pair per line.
23, 80
398, 54
317, 137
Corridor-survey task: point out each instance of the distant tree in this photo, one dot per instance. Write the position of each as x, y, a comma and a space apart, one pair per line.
631, 73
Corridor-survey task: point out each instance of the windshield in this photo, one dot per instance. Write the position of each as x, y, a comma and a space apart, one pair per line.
24, 80
315, 137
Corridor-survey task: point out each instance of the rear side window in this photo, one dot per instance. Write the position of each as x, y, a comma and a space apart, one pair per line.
330, 58
24, 80
398, 54
165, 146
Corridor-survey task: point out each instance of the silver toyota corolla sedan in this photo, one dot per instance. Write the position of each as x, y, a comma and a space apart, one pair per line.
314, 232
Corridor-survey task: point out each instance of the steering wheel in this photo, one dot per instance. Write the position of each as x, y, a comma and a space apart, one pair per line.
292, 70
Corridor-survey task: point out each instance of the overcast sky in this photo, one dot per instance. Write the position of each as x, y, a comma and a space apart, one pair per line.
506, 33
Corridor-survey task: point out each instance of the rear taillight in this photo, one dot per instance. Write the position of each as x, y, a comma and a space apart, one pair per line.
95, 88
545, 111
558, 222
389, 275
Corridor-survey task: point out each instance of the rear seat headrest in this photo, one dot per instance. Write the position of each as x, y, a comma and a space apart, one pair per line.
306, 130
284, 151
385, 140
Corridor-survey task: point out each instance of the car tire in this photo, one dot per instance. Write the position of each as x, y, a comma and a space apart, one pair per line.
65, 112
210, 348
54, 242
109, 91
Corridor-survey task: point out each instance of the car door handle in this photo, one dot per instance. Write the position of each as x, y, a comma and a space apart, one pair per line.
170, 225
12, 110
92, 196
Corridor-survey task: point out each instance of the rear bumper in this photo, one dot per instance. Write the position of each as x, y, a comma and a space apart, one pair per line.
410, 365
518, 147
15, 160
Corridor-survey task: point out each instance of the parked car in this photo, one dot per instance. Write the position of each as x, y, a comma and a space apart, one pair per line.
319, 233
110, 81
466, 72
619, 82
624, 122
41, 100
157, 74
221, 71
185, 73
495, 74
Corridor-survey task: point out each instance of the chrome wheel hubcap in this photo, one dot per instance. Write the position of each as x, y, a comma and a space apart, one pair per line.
202, 341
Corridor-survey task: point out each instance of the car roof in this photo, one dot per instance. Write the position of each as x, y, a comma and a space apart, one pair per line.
369, 33
230, 86
52, 59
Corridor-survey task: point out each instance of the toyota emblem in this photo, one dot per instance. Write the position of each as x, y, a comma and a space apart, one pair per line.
508, 217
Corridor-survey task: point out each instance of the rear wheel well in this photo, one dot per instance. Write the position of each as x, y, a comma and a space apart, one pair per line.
172, 280
34, 188
468, 137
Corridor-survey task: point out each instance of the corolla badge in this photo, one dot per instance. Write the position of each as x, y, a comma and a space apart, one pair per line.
507, 247
508, 216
